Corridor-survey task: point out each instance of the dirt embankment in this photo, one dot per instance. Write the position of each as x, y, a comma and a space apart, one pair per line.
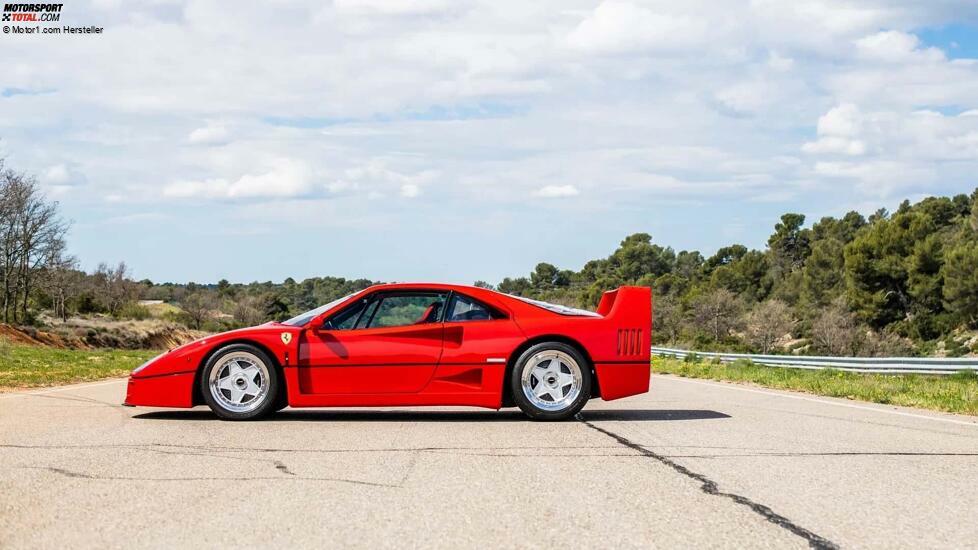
102, 333
17, 336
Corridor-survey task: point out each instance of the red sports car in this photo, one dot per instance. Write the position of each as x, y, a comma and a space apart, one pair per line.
414, 344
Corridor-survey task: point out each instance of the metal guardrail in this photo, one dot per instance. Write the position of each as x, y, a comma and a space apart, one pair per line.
879, 365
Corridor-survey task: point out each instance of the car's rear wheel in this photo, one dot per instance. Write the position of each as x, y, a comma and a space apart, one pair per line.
551, 381
239, 382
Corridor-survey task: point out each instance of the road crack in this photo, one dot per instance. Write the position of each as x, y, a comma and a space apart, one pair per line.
710, 487
280, 466
291, 476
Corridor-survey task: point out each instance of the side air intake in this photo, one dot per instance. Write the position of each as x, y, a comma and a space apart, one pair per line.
629, 341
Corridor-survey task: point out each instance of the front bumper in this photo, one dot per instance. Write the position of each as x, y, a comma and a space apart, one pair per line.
165, 390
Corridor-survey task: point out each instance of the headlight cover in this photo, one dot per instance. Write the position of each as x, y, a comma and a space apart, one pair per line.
147, 363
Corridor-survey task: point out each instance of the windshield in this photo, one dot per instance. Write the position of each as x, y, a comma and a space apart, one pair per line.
304, 318
556, 308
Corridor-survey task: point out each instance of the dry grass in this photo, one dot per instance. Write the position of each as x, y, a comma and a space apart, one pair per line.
106, 332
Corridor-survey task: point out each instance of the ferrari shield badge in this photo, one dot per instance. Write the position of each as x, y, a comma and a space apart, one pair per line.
286, 337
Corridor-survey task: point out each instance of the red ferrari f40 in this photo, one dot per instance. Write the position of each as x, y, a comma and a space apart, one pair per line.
414, 344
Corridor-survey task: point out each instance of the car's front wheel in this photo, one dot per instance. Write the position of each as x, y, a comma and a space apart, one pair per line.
239, 382
551, 381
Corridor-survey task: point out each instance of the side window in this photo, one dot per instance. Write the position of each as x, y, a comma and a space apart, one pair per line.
467, 309
368, 313
413, 308
346, 319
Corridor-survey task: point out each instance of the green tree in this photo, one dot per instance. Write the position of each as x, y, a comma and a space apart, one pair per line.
637, 257
790, 243
547, 276
822, 276
925, 283
842, 230
973, 219
961, 281
877, 269
223, 288
518, 287
688, 264
725, 256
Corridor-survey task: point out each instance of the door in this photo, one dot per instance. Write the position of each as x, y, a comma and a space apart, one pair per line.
478, 340
388, 342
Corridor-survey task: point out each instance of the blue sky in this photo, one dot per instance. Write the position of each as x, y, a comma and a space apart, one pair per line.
463, 140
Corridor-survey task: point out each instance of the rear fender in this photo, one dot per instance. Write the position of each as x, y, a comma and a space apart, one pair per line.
625, 369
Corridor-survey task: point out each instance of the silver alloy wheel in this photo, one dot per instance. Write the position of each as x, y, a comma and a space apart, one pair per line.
239, 382
551, 380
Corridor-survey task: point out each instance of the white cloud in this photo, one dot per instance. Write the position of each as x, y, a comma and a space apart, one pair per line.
839, 131
60, 179
778, 62
410, 190
57, 175
894, 47
287, 178
746, 97
212, 134
621, 26
557, 191
393, 7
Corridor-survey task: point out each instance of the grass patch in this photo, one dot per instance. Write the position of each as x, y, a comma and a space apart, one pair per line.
957, 393
23, 366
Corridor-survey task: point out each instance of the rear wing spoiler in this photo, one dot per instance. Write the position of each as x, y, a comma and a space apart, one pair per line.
629, 308
632, 304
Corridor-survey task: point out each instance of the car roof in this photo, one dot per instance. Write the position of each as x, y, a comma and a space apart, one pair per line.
432, 286
493, 297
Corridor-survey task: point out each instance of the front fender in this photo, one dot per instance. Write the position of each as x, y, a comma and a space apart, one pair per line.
167, 380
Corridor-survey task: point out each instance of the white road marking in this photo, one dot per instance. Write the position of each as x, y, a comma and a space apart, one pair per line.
62, 388
817, 400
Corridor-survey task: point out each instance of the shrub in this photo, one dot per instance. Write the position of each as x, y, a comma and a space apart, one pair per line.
133, 311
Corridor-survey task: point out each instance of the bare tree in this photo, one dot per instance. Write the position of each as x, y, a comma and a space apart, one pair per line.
718, 310
199, 307
62, 281
113, 287
249, 311
8, 239
835, 331
768, 322
883, 344
31, 238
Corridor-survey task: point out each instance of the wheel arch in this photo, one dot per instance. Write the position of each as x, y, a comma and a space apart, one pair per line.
198, 397
527, 344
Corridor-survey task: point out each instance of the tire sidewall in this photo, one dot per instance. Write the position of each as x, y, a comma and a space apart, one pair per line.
271, 398
516, 382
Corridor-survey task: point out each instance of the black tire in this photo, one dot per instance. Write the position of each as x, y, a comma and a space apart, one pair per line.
534, 357
266, 380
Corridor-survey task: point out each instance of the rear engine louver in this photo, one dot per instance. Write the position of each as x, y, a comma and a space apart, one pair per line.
629, 341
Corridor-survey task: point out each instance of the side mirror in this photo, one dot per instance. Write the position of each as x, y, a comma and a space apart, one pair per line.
315, 325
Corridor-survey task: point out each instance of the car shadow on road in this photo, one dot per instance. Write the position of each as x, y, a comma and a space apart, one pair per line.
319, 415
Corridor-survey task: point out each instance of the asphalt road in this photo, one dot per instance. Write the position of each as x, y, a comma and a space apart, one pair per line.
692, 463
